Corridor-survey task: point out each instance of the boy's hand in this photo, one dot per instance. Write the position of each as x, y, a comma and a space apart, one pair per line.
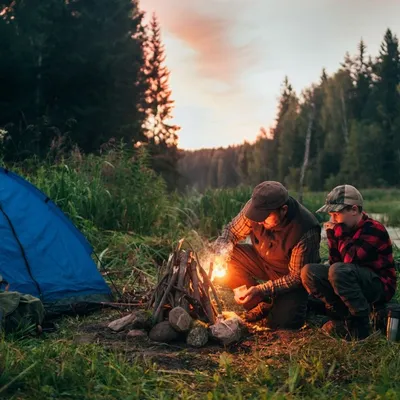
329, 225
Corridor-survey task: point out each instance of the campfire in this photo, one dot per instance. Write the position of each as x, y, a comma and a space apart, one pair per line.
188, 285
185, 304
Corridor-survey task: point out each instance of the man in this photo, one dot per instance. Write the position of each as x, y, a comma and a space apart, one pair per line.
361, 269
285, 236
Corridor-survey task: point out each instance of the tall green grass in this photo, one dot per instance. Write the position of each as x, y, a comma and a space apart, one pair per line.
208, 212
117, 191
117, 201
211, 210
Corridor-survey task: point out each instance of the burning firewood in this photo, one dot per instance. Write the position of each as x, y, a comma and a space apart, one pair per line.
184, 303
186, 284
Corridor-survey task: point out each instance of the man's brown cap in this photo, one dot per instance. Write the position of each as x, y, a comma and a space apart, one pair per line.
267, 197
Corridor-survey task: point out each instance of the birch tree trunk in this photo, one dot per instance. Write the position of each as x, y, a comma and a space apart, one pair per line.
306, 152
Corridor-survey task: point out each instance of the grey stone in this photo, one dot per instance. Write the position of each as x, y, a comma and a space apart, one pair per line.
137, 334
163, 332
180, 319
198, 335
142, 320
120, 324
228, 330
137, 320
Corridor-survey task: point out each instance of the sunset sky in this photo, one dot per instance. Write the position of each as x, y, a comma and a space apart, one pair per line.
228, 58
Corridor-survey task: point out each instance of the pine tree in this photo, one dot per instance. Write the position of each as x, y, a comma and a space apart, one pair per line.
387, 97
362, 81
160, 131
285, 131
324, 76
26, 53
158, 95
101, 86
332, 127
362, 159
286, 99
76, 71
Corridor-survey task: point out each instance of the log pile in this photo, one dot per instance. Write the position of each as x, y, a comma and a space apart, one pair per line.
184, 305
185, 283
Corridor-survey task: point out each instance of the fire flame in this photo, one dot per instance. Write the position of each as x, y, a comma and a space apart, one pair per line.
219, 268
219, 271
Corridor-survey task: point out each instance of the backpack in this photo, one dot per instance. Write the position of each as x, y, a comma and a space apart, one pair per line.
20, 311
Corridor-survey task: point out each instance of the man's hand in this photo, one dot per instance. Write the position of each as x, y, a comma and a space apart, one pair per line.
329, 225
251, 293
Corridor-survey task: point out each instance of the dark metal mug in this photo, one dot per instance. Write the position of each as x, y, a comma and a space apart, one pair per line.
393, 324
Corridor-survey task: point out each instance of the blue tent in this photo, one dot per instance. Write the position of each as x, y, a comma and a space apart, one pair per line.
41, 252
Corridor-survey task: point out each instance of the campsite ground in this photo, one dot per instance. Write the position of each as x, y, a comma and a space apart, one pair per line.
84, 360
133, 223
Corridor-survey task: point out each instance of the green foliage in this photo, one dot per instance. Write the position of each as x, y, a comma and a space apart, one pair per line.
117, 191
210, 211
71, 71
355, 137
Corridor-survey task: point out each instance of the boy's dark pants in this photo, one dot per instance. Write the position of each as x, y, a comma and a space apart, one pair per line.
344, 288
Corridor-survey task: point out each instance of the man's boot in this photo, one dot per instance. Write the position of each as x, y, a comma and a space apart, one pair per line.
259, 312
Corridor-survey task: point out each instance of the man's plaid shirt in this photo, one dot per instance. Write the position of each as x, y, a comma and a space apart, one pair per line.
369, 246
305, 252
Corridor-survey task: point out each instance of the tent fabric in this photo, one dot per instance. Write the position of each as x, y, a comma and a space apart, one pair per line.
42, 253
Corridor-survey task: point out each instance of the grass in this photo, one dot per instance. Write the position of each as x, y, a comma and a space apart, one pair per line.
58, 369
209, 211
306, 366
124, 210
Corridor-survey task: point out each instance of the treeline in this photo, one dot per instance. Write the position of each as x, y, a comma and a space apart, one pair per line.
344, 128
86, 74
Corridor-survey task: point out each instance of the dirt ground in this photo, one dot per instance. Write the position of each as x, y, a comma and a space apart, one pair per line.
274, 346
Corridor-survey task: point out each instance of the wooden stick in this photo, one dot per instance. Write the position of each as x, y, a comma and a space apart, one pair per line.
167, 268
167, 290
210, 271
154, 298
106, 303
183, 265
198, 307
195, 279
171, 300
205, 277
205, 299
207, 307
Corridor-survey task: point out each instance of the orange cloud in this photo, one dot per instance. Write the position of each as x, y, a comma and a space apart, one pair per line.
209, 35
